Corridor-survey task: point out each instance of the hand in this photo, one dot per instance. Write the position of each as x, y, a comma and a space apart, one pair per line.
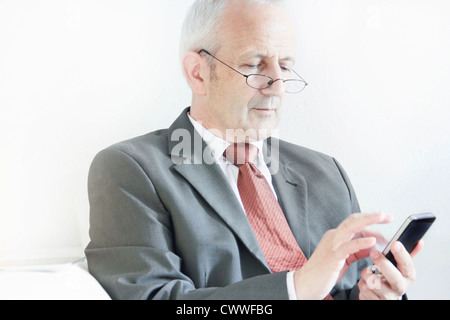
393, 282
352, 240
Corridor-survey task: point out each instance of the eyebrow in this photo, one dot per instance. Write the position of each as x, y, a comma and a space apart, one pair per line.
289, 59
261, 56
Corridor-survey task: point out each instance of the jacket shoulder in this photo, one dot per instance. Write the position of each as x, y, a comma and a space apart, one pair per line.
144, 144
146, 151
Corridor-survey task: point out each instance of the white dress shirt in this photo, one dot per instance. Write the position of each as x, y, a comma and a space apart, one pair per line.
218, 147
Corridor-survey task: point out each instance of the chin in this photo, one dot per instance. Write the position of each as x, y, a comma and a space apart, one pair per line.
260, 133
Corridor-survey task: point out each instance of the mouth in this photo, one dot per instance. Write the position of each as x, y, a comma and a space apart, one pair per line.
264, 110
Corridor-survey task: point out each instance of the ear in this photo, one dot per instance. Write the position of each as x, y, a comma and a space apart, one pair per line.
192, 67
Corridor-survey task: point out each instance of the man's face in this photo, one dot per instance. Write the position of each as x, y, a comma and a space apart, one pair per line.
254, 40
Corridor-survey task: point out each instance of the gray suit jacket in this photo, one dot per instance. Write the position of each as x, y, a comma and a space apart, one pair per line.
164, 225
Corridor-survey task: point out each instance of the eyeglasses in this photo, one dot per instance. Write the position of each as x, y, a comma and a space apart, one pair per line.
261, 82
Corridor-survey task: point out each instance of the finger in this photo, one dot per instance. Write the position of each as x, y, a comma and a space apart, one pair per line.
366, 273
395, 279
404, 261
357, 222
372, 232
378, 284
417, 249
363, 253
355, 246
365, 293
383, 289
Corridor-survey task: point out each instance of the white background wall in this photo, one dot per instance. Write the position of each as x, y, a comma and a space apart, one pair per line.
77, 76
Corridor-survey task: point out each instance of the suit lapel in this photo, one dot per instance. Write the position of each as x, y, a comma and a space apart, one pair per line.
291, 190
208, 179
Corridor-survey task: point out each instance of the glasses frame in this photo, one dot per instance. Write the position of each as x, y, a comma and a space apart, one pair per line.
269, 83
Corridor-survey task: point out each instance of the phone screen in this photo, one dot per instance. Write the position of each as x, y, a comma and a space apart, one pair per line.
410, 233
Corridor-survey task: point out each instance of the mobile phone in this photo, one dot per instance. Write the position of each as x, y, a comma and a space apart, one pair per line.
410, 233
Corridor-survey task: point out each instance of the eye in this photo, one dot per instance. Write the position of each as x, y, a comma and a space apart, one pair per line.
286, 69
253, 66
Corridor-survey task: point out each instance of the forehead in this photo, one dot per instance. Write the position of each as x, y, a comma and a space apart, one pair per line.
257, 30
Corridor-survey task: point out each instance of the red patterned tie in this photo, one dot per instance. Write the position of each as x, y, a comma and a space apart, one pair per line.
272, 231
269, 224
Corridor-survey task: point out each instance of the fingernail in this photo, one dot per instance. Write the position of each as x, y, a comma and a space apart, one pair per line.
397, 247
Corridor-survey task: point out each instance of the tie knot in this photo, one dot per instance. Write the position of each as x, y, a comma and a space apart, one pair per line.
241, 153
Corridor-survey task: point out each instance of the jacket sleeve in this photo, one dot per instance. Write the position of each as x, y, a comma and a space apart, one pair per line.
132, 252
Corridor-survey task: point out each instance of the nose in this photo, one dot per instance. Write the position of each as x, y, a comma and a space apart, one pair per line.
276, 87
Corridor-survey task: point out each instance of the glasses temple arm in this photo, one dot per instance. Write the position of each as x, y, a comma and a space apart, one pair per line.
300, 77
204, 51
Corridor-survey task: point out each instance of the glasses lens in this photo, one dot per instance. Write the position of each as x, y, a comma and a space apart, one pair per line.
294, 86
258, 81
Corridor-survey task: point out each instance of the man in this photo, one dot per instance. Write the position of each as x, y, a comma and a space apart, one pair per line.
169, 217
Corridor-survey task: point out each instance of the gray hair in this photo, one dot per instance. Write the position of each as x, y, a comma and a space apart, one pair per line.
202, 21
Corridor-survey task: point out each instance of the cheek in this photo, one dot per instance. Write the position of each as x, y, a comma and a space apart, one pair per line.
235, 103
232, 101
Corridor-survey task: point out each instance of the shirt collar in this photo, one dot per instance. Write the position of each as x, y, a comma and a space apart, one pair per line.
217, 145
